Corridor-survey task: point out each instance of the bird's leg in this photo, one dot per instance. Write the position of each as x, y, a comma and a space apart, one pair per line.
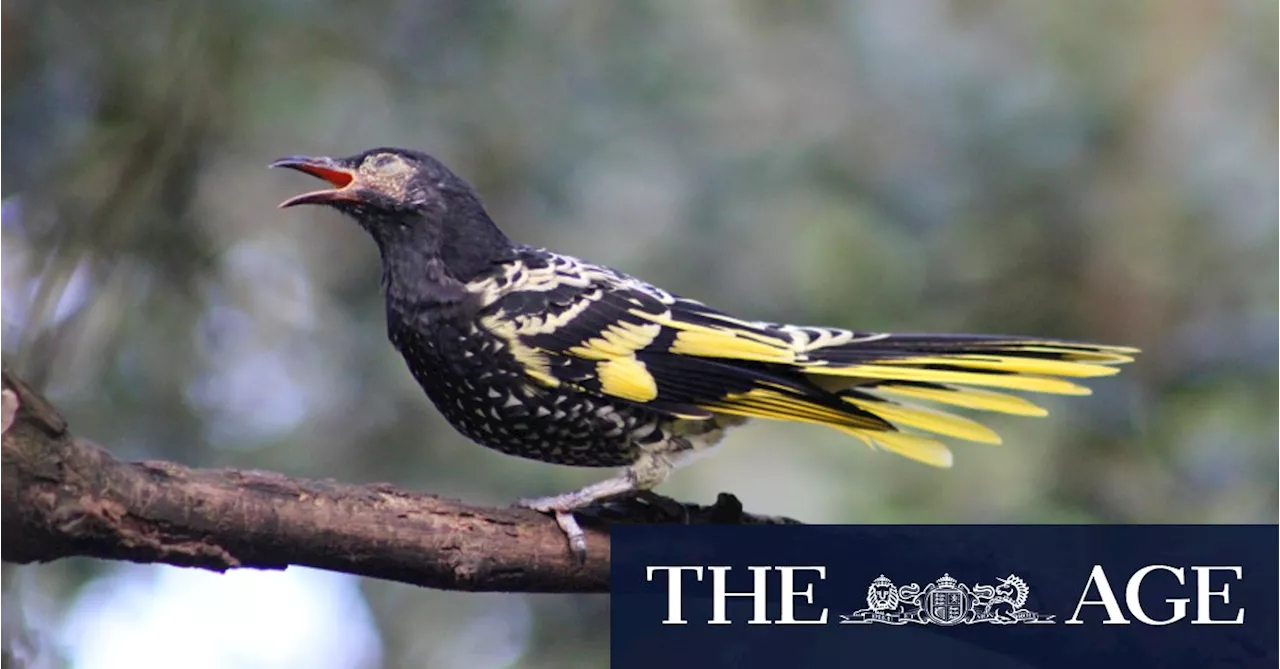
649, 470
563, 506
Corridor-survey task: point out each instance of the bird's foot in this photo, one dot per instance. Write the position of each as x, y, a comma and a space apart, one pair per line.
563, 510
563, 506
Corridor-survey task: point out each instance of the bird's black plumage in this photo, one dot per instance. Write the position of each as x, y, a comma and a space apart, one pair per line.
482, 386
549, 357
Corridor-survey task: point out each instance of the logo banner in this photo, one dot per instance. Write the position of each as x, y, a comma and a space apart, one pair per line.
945, 595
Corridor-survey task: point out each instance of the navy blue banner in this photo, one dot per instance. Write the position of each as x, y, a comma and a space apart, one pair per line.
932, 596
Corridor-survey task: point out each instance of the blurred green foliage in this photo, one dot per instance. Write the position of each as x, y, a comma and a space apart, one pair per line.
1096, 170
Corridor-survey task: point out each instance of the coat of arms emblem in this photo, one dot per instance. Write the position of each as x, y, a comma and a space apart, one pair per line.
947, 601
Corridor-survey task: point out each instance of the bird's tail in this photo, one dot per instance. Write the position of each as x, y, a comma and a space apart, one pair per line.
865, 383
884, 374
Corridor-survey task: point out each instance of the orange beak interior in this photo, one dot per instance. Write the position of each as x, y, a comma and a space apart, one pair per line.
338, 178
322, 168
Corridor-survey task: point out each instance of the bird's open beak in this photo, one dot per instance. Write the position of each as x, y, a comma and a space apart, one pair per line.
325, 168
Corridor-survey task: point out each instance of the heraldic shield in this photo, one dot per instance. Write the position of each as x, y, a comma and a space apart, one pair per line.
947, 604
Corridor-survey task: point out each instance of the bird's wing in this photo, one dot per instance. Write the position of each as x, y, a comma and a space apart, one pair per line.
596, 330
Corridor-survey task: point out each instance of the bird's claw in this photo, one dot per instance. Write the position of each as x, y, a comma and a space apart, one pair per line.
573, 531
565, 519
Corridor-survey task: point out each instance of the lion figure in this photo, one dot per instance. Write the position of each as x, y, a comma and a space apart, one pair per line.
882, 595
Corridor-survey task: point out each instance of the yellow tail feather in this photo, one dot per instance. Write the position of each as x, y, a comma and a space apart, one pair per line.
1038, 384
1106, 355
763, 403
931, 373
1011, 364
968, 398
914, 447
929, 420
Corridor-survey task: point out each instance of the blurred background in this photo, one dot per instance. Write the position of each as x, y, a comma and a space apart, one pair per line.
1096, 170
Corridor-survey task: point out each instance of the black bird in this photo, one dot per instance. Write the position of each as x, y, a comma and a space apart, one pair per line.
545, 356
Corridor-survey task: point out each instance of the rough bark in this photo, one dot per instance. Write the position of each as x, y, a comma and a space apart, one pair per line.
63, 496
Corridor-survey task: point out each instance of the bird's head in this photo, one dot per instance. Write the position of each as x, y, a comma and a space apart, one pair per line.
381, 183
406, 199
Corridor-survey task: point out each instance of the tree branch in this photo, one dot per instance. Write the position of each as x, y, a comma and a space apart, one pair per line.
63, 497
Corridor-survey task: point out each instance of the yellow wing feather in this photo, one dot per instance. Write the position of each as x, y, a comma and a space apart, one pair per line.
722, 342
627, 378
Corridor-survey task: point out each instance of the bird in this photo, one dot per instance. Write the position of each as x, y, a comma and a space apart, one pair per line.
549, 357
